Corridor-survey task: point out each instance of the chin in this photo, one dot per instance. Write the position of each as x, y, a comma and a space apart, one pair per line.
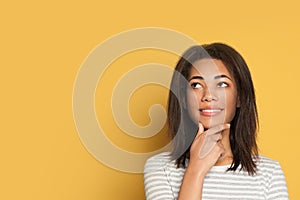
211, 123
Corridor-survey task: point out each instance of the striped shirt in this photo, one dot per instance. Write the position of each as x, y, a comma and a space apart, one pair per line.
162, 180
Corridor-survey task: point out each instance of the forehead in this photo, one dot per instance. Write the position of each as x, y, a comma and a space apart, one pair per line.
209, 68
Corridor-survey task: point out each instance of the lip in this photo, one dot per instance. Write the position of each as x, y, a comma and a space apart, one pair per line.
209, 112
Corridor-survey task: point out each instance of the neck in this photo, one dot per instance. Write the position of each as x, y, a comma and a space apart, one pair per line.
227, 158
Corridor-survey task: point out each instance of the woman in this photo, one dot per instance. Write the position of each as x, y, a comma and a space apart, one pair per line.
212, 118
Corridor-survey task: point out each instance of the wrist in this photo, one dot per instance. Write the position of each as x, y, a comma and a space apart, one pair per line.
195, 172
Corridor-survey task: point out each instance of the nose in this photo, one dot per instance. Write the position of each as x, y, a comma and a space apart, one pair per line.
208, 96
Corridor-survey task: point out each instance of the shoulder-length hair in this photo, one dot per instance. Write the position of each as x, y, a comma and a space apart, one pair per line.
243, 129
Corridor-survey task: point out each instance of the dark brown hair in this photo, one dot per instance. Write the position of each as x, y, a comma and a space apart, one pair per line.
244, 125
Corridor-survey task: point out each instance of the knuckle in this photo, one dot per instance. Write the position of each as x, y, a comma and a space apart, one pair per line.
220, 126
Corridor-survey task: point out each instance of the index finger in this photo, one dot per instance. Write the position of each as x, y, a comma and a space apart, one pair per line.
217, 129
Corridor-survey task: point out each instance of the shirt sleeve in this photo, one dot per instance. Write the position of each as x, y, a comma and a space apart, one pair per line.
277, 188
156, 182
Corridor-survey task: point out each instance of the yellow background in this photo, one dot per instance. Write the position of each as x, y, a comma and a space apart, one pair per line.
43, 45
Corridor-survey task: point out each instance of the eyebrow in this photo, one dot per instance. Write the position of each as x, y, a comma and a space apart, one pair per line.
216, 77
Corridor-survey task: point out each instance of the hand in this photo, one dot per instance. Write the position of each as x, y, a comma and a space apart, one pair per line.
207, 148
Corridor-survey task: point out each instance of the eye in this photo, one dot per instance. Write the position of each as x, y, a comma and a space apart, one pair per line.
196, 85
222, 85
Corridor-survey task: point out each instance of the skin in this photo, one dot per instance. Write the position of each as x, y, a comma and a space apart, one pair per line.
211, 88
211, 101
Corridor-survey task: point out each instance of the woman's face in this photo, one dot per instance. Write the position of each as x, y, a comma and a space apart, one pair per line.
211, 94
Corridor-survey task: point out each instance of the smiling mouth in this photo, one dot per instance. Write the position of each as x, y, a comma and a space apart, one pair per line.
210, 112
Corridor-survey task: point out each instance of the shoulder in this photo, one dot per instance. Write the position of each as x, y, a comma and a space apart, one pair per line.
273, 178
159, 161
267, 165
264, 161
159, 181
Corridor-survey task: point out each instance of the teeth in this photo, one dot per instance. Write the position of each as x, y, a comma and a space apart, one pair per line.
211, 111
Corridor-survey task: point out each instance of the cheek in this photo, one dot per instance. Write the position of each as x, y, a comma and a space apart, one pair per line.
192, 105
231, 104
192, 99
231, 98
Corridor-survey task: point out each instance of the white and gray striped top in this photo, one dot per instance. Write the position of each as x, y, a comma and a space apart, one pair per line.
162, 180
